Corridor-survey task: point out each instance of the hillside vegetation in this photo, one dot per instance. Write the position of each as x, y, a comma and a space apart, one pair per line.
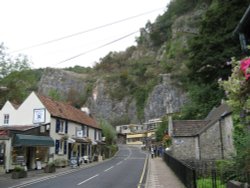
192, 41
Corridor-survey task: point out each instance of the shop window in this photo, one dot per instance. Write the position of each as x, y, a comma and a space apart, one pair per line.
42, 154
61, 147
17, 152
6, 119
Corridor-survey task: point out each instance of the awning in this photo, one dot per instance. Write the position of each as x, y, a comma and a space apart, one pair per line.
32, 140
80, 140
100, 142
70, 140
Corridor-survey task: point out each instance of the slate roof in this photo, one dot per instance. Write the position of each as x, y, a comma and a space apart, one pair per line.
195, 127
17, 127
216, 113
66, 111
187, 127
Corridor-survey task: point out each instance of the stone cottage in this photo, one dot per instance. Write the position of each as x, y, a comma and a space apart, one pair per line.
207, 139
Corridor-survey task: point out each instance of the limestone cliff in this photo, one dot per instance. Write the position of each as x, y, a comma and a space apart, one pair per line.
163, 62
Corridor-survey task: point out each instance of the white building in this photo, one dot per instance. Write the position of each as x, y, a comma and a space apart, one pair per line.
43, 130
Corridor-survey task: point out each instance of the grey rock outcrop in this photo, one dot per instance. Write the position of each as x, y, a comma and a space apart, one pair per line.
166, 98
61, 81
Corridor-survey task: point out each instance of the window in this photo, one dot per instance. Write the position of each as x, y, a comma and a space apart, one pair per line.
6, 119
61, 147
84, 130
61, 126
95, 136
99, 135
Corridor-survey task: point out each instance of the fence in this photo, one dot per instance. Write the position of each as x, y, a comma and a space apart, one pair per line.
203, 174
184, 172
210, 174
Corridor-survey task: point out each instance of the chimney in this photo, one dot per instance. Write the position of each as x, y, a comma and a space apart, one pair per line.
86, 110
170, 125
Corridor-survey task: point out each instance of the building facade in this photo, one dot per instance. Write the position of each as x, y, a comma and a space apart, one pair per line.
208, 139
57, 131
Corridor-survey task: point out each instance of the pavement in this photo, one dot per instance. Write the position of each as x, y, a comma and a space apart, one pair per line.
160, 175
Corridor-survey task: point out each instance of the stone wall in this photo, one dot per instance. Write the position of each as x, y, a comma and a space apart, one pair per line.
227, 137
217, 142
183, 148
210, 143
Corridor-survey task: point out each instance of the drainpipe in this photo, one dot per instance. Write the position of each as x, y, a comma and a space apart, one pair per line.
199, 146
221, 138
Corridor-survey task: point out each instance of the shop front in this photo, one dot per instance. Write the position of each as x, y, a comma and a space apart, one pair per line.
79, 148
31, 151
5, 141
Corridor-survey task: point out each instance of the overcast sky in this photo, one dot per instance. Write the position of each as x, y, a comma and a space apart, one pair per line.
26, 23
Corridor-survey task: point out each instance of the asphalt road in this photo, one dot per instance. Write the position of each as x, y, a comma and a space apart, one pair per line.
123, 171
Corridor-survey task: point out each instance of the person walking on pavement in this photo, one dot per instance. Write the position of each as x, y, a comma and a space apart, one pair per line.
152, 152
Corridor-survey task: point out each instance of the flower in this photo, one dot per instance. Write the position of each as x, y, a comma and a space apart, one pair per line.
244, 66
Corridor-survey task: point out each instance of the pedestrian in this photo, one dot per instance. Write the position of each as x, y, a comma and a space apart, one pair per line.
152, 152
155, 150
160, 150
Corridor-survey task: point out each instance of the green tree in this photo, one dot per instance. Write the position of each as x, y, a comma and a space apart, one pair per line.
237, 89
208, 55
108, 132
10, 64
19, 85
162, 129
55, 94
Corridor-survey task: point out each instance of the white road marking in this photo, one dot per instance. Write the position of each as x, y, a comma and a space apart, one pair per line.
88, 179
109, 169
119, 163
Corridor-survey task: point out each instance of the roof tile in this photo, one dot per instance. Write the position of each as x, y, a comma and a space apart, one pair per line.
66, 111
187, 127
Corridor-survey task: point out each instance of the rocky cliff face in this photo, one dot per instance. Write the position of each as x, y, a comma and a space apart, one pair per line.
166, 96
64, 82
103, 106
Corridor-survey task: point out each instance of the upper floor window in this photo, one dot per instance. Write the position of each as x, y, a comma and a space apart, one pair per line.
6, 119
85, 131
61, 126
95, 136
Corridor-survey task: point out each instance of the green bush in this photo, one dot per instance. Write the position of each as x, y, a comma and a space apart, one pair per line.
207, 183
18, 169
60, 162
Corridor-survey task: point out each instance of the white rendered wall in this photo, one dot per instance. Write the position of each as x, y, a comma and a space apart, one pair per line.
8, 109
26, 110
